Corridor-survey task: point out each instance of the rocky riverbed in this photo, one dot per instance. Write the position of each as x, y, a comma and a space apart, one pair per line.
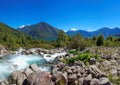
104, 70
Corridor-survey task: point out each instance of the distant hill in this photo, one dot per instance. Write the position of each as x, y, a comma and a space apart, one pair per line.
11, 38
82, 32
7, 31
105, 31
41, 30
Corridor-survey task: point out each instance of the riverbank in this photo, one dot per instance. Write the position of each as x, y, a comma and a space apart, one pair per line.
101, 70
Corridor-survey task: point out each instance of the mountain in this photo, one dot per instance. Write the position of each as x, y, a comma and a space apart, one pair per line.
7, 31
41, 30
11, 38
82, 32
105, 31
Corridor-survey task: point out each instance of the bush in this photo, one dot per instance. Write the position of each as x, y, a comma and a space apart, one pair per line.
100, 40
85, 57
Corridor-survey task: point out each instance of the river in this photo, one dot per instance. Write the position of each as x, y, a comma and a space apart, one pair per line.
14, 62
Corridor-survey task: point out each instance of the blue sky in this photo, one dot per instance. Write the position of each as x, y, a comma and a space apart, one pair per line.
63, 14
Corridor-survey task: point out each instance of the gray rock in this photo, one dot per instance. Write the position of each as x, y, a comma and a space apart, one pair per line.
80, 69
64, 79
55, 70
39, 78
94, 82
78, 75
80, 81
48, 55
12, 79
69, 71
56, 61
3, 51
118, 71
6, 82
73, 68
27, 52
61, 65
72, 78
106, 63
2, 83
115, 56
104, 81
59, 78
87, 79
27, 71
114, 72
96, 73
21, 79
51, 51
34, 67
42, 54
92, 61
114, 62
78, 63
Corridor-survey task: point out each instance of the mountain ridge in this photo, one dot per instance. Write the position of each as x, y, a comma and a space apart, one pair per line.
41, 30
105, 31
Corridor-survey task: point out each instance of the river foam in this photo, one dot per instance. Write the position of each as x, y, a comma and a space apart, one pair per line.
14, 62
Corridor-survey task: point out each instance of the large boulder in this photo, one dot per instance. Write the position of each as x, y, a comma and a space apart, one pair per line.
104, 81
71, 79
80, 81
34, 67
39, 78
94, 82
96, 72
21, 79
92, 61
87, 79
13, 77
60, 78
4, 83
106, 63
27, 71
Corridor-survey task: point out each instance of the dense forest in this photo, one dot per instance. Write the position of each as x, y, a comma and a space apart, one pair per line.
13, 39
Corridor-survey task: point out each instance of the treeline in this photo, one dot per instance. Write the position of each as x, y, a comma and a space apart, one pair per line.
78, 42
71, 42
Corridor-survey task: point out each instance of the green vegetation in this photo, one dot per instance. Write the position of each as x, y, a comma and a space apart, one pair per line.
13, 39
84, 57
114, 80
100, 40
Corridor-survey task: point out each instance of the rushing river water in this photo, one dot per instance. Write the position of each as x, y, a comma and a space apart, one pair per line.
10, 63
14, 62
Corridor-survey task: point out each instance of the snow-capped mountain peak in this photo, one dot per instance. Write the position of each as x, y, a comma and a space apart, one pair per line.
22, 26
73, 29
